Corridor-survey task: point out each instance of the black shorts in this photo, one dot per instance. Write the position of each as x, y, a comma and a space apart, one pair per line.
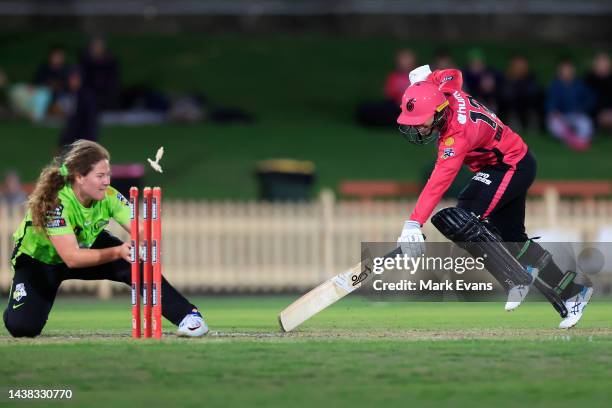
499, 193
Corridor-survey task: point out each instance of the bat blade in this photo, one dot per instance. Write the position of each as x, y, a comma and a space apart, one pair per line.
319, 298
329, 292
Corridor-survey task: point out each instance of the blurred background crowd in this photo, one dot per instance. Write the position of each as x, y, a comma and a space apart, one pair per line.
570, 107
318, 83
82, 94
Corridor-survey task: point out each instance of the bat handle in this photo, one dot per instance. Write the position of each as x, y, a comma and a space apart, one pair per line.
394, 253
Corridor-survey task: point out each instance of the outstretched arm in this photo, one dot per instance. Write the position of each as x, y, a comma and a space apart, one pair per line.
68, 249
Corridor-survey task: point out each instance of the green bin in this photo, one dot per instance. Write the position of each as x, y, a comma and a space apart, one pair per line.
285, 180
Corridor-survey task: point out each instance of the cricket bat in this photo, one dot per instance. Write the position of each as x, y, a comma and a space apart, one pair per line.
328, 293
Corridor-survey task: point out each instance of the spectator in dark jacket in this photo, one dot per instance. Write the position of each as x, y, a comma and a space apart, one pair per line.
481, 81
80, 102
442, 59
101, 74
568, 106
523, 97
599, 80
52, 74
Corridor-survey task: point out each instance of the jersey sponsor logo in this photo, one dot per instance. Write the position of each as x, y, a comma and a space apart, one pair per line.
449, 141
447, 78
448, 152
461, 110
482, 177
56, 223
19, 292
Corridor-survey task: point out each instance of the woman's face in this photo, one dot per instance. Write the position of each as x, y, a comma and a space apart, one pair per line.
93, 185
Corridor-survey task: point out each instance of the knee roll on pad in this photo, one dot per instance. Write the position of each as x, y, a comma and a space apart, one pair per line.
467, 231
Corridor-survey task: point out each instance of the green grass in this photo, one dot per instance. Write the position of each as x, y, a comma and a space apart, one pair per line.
303, 90
357, 353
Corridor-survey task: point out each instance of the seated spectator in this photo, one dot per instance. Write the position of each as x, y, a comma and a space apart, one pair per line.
483, 82
385, 112
443, 60
24, 100
100, 71
523, 97
12, 191
397, 80
52, 73
80, 103
568, 105
599, 79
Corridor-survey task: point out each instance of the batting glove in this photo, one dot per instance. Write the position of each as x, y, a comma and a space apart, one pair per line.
412, 240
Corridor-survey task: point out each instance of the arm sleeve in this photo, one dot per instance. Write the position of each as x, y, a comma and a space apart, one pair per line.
119, 206
448, 164
448, 80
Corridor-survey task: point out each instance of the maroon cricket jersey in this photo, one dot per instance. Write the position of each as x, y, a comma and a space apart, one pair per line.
473, 136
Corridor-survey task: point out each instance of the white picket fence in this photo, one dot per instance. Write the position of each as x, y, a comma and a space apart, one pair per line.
254, 246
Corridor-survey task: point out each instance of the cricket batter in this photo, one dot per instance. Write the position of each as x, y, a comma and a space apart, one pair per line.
63, 237
491, 208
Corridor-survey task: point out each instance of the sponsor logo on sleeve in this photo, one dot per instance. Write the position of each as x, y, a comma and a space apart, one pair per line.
449, 141
56, 223
448, 152
55, 219
56, 212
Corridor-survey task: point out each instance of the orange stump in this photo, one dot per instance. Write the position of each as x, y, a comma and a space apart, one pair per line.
156, 210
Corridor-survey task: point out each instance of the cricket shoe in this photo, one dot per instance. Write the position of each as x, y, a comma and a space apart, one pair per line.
517, 294
575, 307
192, 325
